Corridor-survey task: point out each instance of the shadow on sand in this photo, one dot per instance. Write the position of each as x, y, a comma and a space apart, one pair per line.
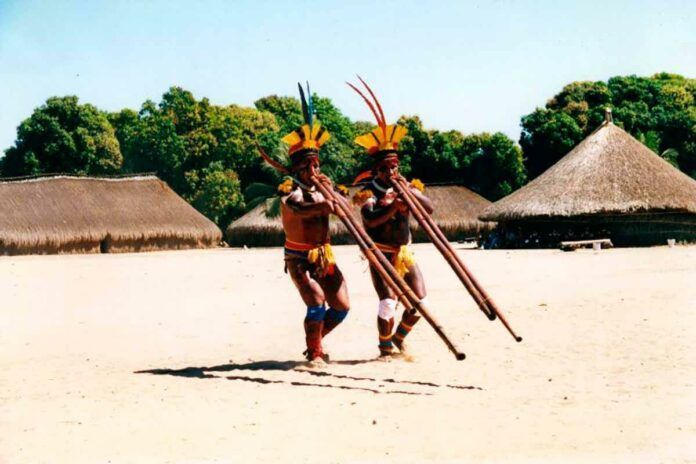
297, 366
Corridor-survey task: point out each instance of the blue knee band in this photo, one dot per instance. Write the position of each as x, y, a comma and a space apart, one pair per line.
335, 315
316, 313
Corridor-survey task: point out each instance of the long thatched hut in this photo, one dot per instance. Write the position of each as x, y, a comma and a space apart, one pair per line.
65, 214
456, 212
609, 186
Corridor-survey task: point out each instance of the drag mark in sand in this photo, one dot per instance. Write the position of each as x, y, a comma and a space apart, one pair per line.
429, 384
409, 382
322, 385
464, 387
253, 379
293, 366
299, 384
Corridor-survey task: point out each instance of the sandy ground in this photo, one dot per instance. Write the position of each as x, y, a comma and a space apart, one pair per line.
191, 357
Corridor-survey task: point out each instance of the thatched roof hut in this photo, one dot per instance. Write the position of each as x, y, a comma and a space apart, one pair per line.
456, 211
64, 214
610, 184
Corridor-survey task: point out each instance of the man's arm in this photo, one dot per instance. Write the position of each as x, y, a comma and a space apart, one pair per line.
375, 215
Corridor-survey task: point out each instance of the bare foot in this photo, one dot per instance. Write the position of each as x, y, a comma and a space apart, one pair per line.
324, 355
387, 357
317, 363
404, 353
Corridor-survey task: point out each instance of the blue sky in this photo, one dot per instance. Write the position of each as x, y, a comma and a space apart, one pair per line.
471, 66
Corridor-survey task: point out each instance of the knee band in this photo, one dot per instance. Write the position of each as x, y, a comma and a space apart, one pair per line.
386, 309
335, 315
316, 313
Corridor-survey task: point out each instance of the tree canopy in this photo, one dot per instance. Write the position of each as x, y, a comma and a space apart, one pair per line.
489, 164
202, 150
63, 136
659, 111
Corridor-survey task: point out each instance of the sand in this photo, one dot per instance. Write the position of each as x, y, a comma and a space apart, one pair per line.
192, 357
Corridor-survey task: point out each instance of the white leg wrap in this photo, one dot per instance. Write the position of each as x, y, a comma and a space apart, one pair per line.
424, 301
386, 309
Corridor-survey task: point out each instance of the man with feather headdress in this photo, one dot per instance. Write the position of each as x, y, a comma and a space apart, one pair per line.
386, 218
305, 215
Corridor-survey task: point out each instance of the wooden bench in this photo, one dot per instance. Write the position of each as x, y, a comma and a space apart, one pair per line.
599, 243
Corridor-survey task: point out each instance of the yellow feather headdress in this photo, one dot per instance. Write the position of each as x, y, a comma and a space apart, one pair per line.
385, 138
309, 137
306, 138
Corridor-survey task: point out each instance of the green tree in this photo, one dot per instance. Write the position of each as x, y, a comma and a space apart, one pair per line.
125, 125
287, 110
660, 111
491, 165
205, 152
546, 137
218, 194
236, 130
414, 147
64, 136
151, 144
257, 193
340, 153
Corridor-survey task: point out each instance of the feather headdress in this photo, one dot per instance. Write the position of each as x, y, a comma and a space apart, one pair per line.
385, 138
309, 137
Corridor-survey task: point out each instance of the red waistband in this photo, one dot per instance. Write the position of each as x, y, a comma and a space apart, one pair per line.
297, 246
388, 248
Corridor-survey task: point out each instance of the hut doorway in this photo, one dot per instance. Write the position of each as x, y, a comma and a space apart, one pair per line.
105, 244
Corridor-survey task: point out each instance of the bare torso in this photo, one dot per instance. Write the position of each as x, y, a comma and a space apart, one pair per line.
308, 230
395, 231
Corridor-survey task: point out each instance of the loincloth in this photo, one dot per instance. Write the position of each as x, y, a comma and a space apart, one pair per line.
401, 257
319, 257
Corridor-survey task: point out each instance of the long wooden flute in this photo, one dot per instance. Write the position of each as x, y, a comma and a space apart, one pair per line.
480, 296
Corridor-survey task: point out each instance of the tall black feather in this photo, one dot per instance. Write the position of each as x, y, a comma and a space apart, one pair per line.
305, 110
310, 104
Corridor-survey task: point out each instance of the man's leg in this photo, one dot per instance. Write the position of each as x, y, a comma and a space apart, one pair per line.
336, 292
414, 279
313, 297
385, 313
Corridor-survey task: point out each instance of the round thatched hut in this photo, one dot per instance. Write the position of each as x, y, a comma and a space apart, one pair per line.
65, 214
456, 212
609, 186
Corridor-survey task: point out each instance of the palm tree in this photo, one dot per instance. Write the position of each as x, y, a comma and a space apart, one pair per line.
267, 192
259, 192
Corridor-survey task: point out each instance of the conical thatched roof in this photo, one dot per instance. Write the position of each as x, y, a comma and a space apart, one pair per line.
609, 172
65, 214
456, 211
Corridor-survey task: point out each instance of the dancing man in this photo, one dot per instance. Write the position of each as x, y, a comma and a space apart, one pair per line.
305, 214
386, 218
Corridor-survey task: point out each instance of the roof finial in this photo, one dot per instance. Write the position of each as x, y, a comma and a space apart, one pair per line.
607, 115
